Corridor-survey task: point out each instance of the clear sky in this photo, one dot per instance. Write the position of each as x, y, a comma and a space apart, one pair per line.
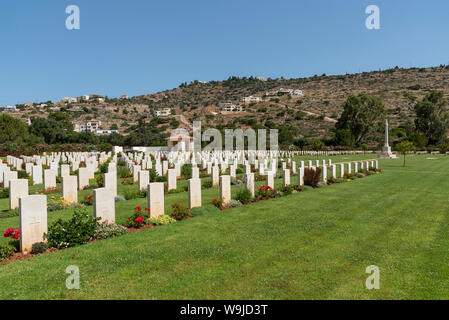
143, 46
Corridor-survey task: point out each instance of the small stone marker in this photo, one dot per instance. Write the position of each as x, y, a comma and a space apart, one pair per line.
286, 177
301, 176
110, 182
194, 188
250, 183
36, 174
215, 175
83, 178
17, 188
144, 179
136, 170
195, 173
49, 179
70, 189
104, 205
8, 176
65, 170
270, 179
171, 179
33, 220
156, 199
225, 189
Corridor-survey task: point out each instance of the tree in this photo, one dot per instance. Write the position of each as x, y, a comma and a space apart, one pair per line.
364, 148
12, 129
405, 147
300, 143
432, 119
317, 145
343, 137
51, 130
443, 148
361, 115
63, 119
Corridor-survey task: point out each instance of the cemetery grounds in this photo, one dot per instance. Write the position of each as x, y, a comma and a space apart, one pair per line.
315, 244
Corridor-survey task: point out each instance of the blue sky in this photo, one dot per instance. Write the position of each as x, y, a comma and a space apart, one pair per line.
143, 46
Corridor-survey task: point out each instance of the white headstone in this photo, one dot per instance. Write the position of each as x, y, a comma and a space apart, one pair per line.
104, 205
33, 220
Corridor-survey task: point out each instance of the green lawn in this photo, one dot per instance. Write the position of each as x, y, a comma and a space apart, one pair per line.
310, 245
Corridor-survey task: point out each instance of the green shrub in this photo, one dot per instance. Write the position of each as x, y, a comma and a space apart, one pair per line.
123, 172
6, 251
104, 167
286, 190
100, 180
88, 200
186, 171
4, 193
154, 177
131, 194
179, 211
244, 196
69, 233
207, 184
22, 174
39, 247
161, 220
105, 231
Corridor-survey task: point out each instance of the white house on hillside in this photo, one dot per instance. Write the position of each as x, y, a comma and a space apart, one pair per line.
163, 112
252, 99
9, 108
230, 107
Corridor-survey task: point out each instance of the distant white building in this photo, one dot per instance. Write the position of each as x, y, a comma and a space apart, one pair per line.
108, 131
84, 97
9, 108
69, 100
97, 97
125, 96
163, 112
251, 99
230, 107
261, 78
297, 93
28, 104
87, 126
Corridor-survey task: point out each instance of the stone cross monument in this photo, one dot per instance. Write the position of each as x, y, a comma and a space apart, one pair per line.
386, 150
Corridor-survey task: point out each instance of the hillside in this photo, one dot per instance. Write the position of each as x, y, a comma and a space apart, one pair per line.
314, 114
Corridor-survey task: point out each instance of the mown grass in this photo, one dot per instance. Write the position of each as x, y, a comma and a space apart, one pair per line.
310, 245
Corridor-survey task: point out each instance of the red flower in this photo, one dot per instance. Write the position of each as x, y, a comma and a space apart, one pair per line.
147, 209
138, 208
124, 180
214, 201
90, 197
11, 233
139, 220
8, 232
16, 234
